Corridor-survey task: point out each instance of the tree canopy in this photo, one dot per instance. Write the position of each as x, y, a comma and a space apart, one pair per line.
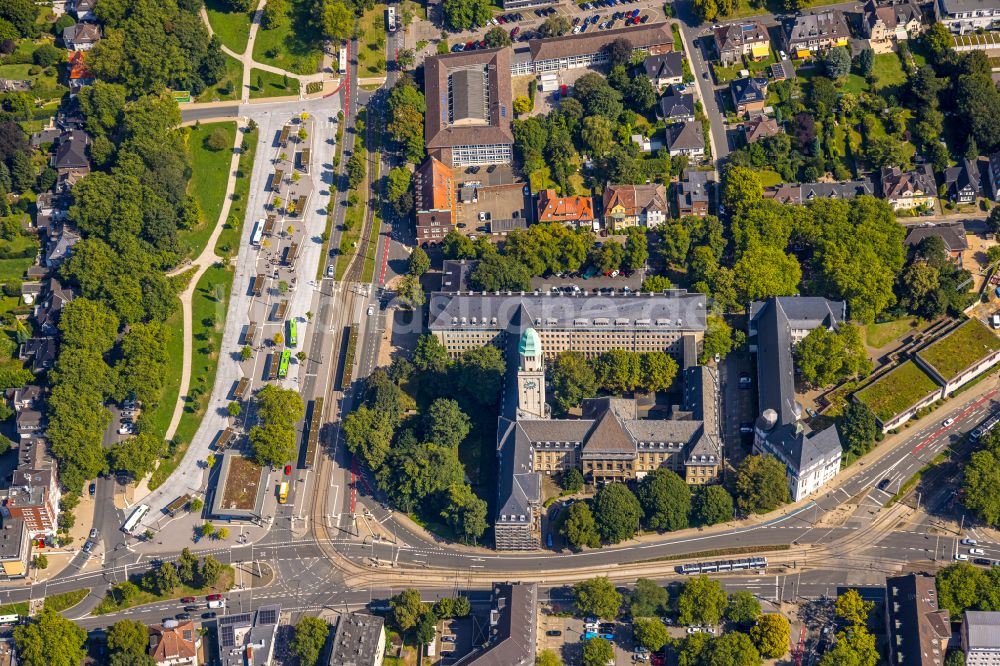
761, 484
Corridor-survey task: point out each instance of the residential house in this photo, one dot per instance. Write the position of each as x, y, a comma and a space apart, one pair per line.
469, 113
801, 194
29, 420
34, 493
513, 630
646, 144
952, 235
746, 38
782, 70
806, 35
41, 352
665, 69
247, 639
47, 136
962, 16
48, 309
62, 238
82, 9
906, 190
686, 139
811, 458
70, 160
434, 186
15, 548
79, 76
749, 95
586, 49
981, 638
993, 172
634, 206
81, 36
175, 645
574, 211
962, 182
918, 630
359, 641
890, 22
676, 107
759, 127
692, 192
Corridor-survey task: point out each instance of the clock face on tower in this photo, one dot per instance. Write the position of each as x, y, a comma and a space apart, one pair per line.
530, 385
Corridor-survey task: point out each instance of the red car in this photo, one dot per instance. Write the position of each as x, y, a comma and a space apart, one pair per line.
214, 597
468, 45
188, 600
288, 470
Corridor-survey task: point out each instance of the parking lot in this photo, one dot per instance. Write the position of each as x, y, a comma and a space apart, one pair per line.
564, 635
502, 205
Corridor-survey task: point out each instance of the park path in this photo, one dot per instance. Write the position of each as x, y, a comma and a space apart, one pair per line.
248, 62
201, 264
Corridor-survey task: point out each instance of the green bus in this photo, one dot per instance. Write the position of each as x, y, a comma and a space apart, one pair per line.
293, 334
286, 356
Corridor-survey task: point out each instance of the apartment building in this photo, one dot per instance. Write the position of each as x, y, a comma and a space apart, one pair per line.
962, 16
587, 49
981, 638
918, 630
807, 35
434, 187
634, 206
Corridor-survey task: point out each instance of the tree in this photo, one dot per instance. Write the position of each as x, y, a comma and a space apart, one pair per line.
656, 371
651, 633
617, 371
741, 189
136, 455
207, 529
765, 271
338, 20
128, 637
866, 61
598, 652
770, 635
636, 246
50, 640
701, 601
310, 635
409, 291
761, 485
418, 263
187, 567
579, 527
463, 14
369, 435
550, 658
571, 480
445, 423
556, 25
619, 52
211, 569
275, 14
955, 658
426, 628
465, 513
692, 649
571, 381
743, 608
617, 512
273, 444
649, 599
217, 140
854, 648
733, 649
656, 283
406, 608
196, 505
665, 500
837, 62
597, 596
853, 609
406, 59
234, 409
858, 429
40, 562
430, 355
712, 504
598, 135
87, 324
828, 357
522, 105
46, 55
497, 38
719, 339
982, 486
496, 272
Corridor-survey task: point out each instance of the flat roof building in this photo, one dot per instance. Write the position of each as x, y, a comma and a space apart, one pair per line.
981, 638
360, 641
240, 489
247, 639
15, 547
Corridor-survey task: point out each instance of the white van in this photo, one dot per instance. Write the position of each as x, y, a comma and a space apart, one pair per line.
218, 603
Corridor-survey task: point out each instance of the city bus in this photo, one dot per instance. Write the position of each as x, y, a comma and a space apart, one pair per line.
286, 356
258, 231
9, 619
342, 60
390, 19
283, 492
293, 333
133, 521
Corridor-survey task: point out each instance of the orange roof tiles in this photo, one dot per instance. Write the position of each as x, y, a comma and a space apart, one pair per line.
564, 209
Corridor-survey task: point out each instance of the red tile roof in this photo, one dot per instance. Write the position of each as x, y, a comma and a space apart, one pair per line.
552, 208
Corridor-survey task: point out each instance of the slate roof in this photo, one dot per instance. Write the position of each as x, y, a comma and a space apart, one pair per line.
952, 7
82, 33
664, 66
685, 136
983, 630
676, 105
736, 35
749, 91
897, 183
962, 176
72, 150
952, 234
693, 188
513, 638
480, 76
794, 193
828, 25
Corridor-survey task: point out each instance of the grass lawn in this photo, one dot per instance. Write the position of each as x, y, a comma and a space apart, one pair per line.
45, 82
678, 42
15, 267
294, 45
110, 605
269, 84
879, 335
209, 173
892, 393
19, 608
232, 28
159, 415
232, 230
371, 42
743, 8
961, 348
888, 71
208, 315
769, 178
228, 86
61, 602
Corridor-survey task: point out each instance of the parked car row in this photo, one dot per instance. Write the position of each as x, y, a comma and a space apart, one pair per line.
605, 3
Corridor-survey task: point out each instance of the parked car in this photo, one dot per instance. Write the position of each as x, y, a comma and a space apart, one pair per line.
745, 382
961, 557
553, 632
976, 551
207, 616
969, 542
188, 600
93, 533
89, 546
982, 560
288, 470
211, 597
92, 489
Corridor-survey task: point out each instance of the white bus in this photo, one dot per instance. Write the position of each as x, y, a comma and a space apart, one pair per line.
9, 619
342, 60
258, 232
133, 520
390, 19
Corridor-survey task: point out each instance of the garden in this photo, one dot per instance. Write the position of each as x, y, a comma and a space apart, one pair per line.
897, 391
961, 348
